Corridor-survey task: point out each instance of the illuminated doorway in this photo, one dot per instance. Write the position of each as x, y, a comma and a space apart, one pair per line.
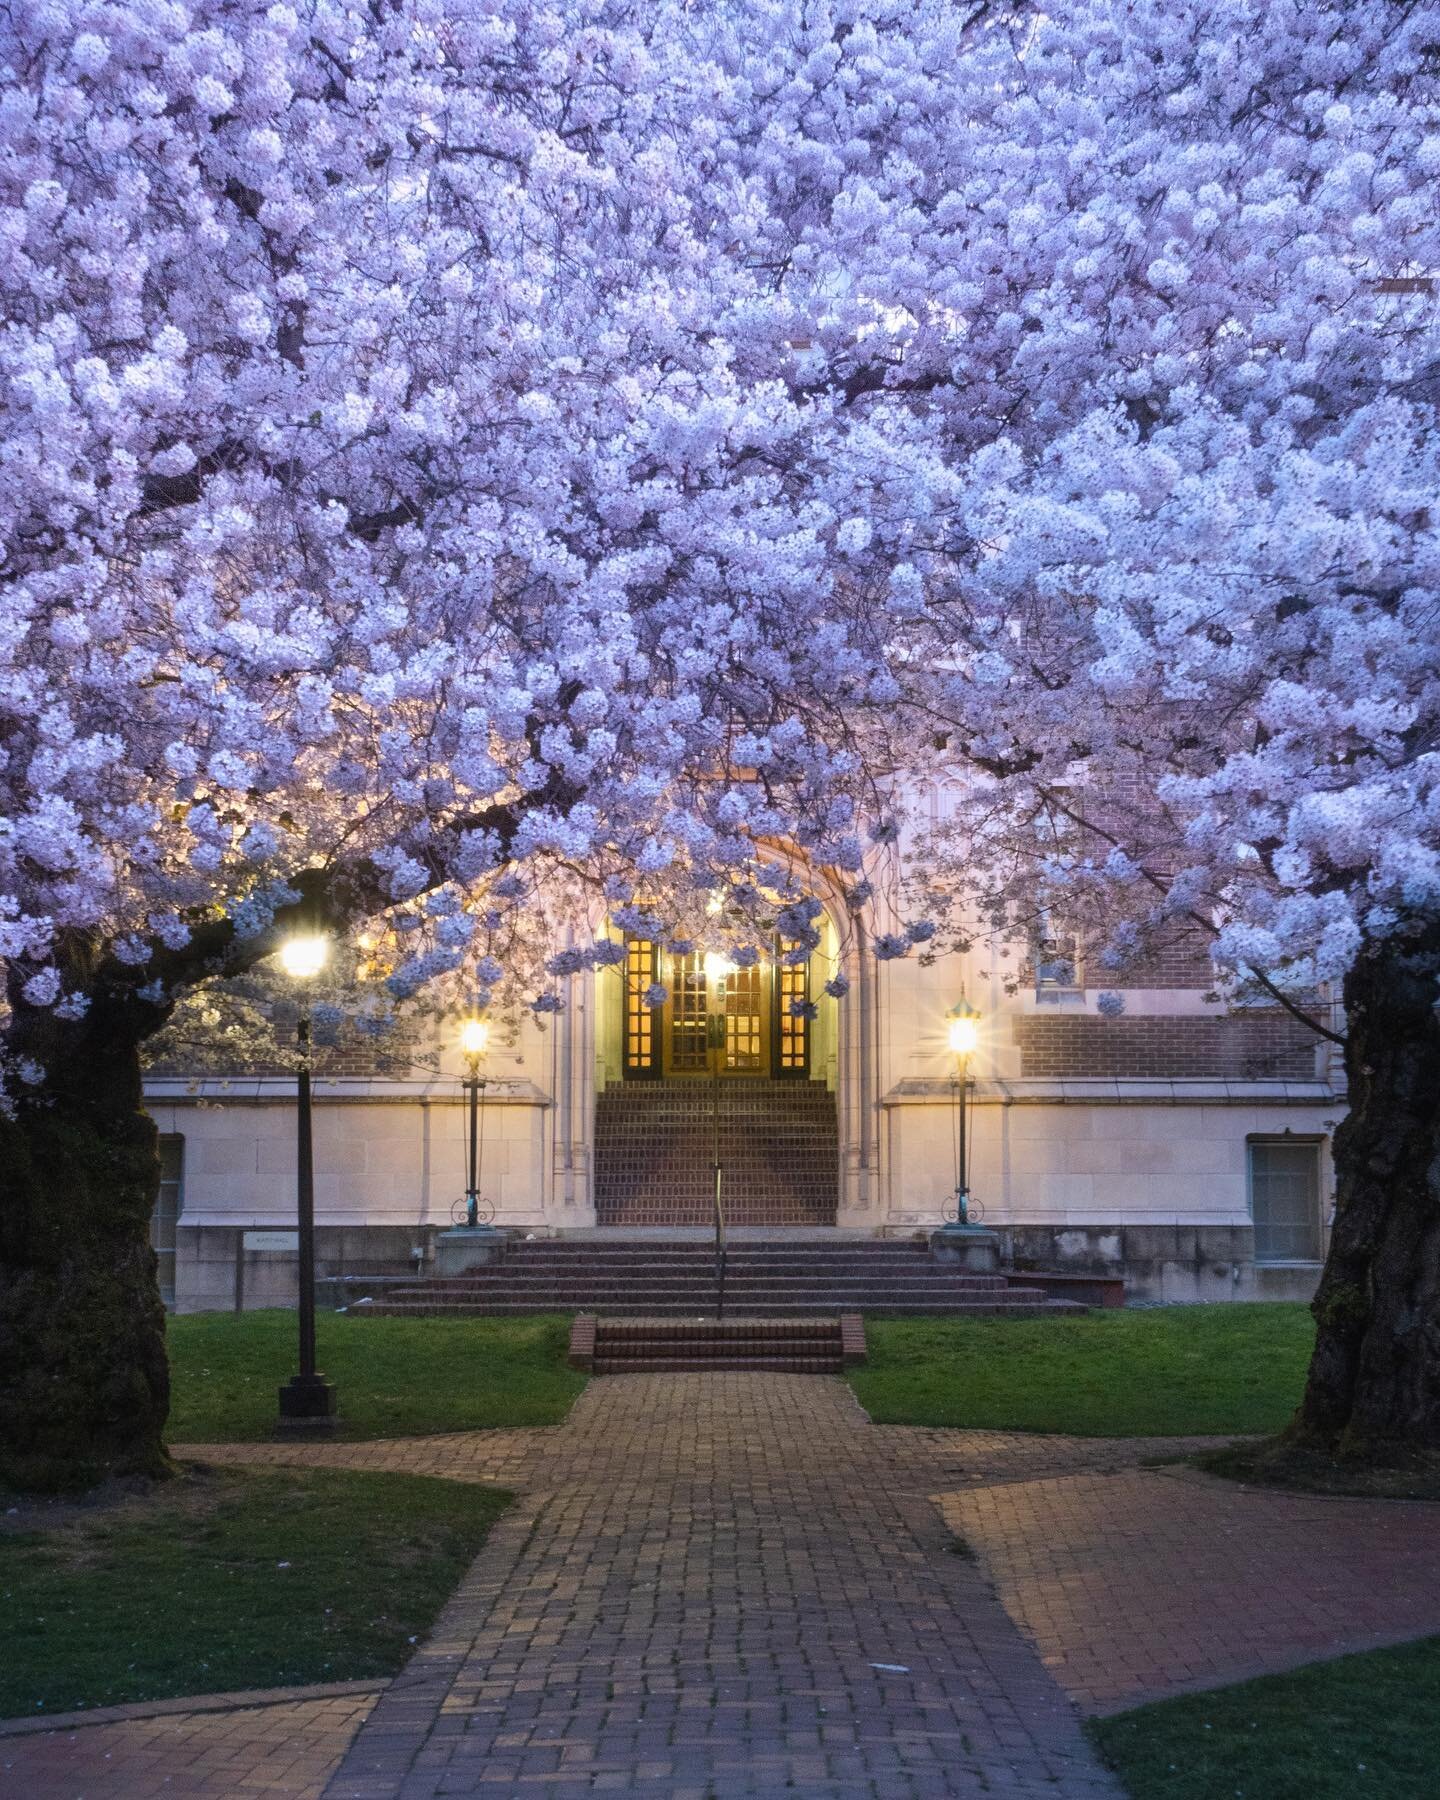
765, 1037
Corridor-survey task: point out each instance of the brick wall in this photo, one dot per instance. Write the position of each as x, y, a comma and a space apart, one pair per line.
362, 1060
1258, 1046
1181, 962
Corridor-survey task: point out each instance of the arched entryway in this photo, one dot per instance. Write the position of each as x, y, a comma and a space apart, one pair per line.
752, 1012
742, 1055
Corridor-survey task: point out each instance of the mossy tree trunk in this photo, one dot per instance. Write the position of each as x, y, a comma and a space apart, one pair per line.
1373, 1391
84, 1383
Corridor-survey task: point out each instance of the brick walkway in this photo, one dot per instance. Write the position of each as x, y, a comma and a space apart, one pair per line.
283, 1750
725, 1585
1144, 1584
691, 1600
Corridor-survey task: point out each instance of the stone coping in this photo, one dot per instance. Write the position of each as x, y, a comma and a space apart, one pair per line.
338, 1090
241, 1699
1109, 1090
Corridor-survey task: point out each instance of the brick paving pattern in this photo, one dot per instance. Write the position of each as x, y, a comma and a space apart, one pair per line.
702, 1573
499, 1457
280, 1751
723, 1585
1139, 1585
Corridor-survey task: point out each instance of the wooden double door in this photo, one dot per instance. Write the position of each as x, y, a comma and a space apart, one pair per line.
747, 1014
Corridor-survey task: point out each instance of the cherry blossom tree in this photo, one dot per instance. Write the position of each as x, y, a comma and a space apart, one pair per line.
452, 453
408, 506
1148, 291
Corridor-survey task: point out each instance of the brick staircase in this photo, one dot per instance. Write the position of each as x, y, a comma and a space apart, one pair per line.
822, 1346
654, 1152
791, 1278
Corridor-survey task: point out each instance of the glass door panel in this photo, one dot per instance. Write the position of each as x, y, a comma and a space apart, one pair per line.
743, 1001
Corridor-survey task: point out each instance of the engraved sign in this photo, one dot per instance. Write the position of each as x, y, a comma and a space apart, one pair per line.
272, 1240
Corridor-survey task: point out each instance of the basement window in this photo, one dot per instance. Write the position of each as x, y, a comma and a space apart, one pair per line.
166, 1215
1285, 1200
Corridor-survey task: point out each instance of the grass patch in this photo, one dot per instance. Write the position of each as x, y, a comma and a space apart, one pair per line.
1164, 1372
397, 1377
1366, 1724
229, 1579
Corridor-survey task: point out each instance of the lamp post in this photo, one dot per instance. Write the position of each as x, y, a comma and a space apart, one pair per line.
307, 1400
963, 1034
474, 1041
718, 969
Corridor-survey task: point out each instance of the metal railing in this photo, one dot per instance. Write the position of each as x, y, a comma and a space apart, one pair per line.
719, 1244
716, 1044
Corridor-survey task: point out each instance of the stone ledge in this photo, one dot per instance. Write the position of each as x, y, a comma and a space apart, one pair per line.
1110, 1090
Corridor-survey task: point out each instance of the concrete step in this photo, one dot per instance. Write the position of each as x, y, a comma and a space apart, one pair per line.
974, 1287
1010, 1306
688, 1278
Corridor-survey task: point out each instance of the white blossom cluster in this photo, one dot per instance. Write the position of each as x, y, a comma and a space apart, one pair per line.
453, 452
406, 483
1145, 299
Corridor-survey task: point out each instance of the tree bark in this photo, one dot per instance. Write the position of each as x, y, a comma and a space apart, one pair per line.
1373, 1390
84, 1383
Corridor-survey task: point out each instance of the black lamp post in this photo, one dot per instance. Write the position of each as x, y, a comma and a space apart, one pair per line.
474, 1041
307, 1400
963, 1034
718, 970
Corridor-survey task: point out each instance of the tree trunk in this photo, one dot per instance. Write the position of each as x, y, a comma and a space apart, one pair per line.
84, 1383
1373, 1391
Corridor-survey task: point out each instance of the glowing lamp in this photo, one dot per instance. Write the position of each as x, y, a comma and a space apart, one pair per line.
963, 1030
964, 1035
474, 1037
718, 966
303, 958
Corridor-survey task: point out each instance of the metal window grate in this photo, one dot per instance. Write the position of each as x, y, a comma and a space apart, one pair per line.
166, 1216
1285, 1202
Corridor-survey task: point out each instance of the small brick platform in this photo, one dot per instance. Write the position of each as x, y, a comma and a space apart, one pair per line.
653, 1346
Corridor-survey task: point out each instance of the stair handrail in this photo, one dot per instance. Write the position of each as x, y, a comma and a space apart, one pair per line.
715, 1043
719, 1241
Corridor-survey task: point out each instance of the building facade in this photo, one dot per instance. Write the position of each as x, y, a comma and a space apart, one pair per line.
1179, 1142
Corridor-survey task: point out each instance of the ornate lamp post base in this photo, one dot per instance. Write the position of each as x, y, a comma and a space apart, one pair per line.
969, 1247
307, 1403
463, 1247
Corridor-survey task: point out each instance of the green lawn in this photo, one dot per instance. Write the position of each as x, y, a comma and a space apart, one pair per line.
229, 1579
1367, 1724
396, 1377
1163, 1372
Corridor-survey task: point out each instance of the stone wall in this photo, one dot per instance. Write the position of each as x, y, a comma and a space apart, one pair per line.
214, 1272
1173, 1264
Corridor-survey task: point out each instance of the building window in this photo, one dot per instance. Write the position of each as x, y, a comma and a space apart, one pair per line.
792, 1055
1285, 1200
642, 971
1056, 959
166, 1215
